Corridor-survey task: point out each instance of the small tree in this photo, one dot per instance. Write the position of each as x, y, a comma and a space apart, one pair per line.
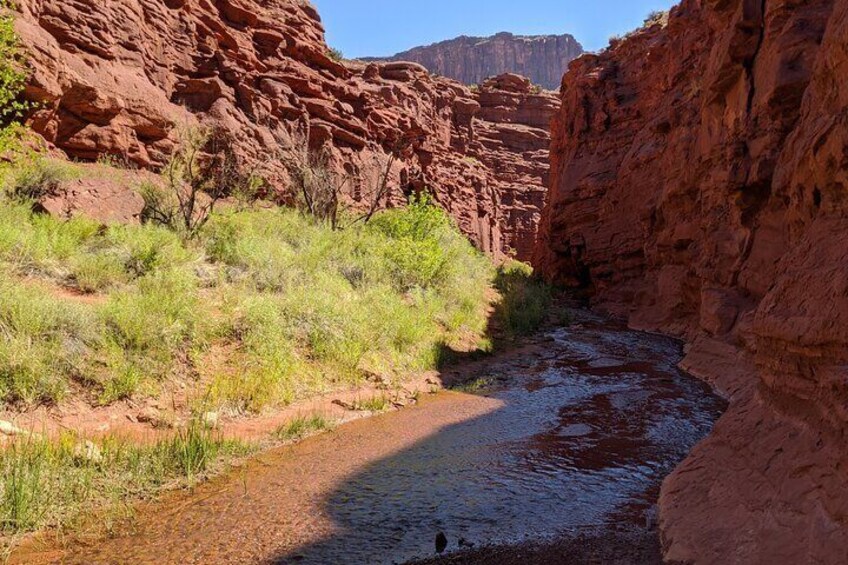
379, 188
202, 170
316, 185
656, 17
13, 77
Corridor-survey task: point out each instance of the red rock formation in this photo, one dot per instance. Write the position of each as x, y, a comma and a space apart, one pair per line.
698, 188
117, 78
470, 60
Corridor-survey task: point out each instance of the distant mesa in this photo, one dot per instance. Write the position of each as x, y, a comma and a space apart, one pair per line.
470, 60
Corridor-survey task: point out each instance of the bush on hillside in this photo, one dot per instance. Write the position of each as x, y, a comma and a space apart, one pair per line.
203, 170
13, 78
298, 307
525, 300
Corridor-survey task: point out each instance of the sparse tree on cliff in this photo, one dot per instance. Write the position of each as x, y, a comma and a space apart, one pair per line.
202, 170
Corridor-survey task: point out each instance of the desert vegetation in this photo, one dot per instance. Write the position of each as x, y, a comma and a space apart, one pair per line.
247, 308
251, 309
300, 307
61, 482
525, 302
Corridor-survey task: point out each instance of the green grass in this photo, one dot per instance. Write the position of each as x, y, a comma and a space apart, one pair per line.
525, 300
260, 309
54, 483
43, 343
476, 386
301, 309
37, 177
378, 403
302, 427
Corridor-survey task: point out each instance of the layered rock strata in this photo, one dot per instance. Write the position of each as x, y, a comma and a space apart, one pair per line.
119, 79
470, 60
699, 188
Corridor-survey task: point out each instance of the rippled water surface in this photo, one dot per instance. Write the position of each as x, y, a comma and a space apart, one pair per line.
576, 437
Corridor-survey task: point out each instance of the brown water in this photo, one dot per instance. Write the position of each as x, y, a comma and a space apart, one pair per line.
573, 440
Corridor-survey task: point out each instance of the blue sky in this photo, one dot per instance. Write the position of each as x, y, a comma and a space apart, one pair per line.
384, 27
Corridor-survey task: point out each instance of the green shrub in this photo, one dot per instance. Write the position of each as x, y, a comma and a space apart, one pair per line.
13, 75
267, 367
420, 243
123, 383
43, 343
95, 272
301, 308
148, 247
376, 404
657, 17
156, 318
525, 301
34, 242
40, 176
302, 427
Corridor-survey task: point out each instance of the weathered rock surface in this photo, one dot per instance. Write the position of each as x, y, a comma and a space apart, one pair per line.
105, 199
698, 188
470, 60
118, 78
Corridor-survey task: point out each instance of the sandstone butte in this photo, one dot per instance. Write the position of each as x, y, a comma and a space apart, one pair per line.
119, 78
699, 189
470, 60
698, 172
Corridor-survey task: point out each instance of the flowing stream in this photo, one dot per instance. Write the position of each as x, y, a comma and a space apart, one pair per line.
572, 441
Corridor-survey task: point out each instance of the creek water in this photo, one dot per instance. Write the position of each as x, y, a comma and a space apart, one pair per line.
575, 438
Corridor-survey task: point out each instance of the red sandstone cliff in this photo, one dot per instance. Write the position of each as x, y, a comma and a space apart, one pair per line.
470, 60
117, 78
698, 188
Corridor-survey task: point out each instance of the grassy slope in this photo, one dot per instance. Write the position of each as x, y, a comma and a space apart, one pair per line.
265, 307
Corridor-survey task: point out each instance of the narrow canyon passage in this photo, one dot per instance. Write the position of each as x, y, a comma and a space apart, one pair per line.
563, 444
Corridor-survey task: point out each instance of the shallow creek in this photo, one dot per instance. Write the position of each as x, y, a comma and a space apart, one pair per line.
573, 440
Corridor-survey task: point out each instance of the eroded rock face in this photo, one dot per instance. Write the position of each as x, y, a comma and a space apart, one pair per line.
698, 188
118, 78
470, 60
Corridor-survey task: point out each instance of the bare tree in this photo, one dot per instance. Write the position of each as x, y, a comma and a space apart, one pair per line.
202, 170
317, 186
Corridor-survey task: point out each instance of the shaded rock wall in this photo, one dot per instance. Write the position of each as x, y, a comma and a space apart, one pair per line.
118, 78
470, 60
699, 188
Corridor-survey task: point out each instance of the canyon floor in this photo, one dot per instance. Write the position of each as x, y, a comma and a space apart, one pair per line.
554, 453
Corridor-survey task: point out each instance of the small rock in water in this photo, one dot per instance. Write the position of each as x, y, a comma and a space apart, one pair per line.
465, 543
441, 542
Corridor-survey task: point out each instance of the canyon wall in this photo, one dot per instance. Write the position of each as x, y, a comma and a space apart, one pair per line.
120, 79
699, 188
470, 60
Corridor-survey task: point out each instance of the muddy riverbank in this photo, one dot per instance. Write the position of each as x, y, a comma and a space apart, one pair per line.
538, 453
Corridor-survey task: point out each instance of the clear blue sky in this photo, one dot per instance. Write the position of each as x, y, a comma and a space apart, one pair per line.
384, 27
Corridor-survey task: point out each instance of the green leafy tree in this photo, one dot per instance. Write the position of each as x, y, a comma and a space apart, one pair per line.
13, 78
